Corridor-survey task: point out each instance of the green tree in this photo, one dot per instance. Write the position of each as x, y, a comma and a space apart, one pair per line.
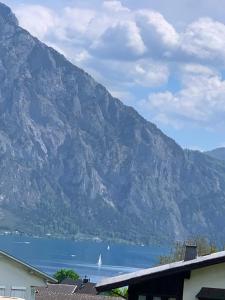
65, 273
120, 292
204, 247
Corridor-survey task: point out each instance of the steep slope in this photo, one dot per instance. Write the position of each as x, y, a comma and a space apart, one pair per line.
75, 160
218, 153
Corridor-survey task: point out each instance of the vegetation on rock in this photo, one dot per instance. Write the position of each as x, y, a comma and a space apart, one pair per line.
177, 251
62, 274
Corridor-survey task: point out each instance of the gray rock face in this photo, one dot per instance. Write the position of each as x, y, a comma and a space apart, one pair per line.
74, 159
218, 153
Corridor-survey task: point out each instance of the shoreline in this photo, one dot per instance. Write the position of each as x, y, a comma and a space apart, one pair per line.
82, 237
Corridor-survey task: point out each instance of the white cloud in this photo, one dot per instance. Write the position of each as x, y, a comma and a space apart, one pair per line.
115, 6
159, 36
115, 32
121, 41
204, 39
72, 25
77, 19
125, 49
125, 75
150, 74
39, 20
201, 99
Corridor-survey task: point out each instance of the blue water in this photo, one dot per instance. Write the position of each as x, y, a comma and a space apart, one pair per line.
50, 255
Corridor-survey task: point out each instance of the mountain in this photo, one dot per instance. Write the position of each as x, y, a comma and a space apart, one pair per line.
218, 153
75, 161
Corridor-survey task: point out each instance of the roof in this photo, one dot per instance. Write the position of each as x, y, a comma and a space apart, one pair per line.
75, 297
87, 288
28, 267
67, 289
82, 287
55, 289
211, 294
160, 271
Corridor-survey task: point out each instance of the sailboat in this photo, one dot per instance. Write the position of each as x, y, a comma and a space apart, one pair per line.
108, 248
99, 263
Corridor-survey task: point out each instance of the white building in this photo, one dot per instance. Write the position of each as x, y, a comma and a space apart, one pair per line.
10, 298
18, 279
200, 277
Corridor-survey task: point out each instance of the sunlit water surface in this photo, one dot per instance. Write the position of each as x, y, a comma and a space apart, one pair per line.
49, 255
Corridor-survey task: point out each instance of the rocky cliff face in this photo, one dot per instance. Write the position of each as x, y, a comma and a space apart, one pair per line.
73, 159
218, 153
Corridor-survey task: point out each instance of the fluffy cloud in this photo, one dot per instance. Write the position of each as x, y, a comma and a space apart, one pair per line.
39, 20
159, 36
116, 6
140, 50
72, 24
150, 74
201, 99
204, 40
122, 41
76, 19
114, 32
128, 75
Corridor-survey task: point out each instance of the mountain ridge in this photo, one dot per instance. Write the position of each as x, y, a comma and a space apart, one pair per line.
218, 153
76, 161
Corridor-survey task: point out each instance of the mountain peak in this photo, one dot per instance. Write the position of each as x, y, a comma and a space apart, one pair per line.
6, 15
68, 148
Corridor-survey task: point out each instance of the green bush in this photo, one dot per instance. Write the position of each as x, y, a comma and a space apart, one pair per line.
65, 273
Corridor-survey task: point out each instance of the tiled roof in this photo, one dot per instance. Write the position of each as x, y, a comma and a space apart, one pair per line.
67, 289
74, 297
87, 288
55, 289
82, 287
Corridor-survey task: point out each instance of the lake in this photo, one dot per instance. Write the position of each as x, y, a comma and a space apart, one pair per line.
49, 255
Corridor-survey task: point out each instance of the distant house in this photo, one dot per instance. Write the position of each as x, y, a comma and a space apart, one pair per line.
194, 278
18, 279
83, 286
75, 296
54, 290
10, 298
67, 287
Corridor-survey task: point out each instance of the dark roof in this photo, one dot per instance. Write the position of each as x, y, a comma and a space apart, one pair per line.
190, 252
28, 267
67, 289
55, 289
160, 271
211, 294
87, 288
74, 297
81, 286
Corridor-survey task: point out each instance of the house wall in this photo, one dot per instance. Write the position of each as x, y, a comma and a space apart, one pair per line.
213, 277
13, 274
168, 286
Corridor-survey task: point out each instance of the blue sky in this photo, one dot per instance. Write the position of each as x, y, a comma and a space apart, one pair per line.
165, 58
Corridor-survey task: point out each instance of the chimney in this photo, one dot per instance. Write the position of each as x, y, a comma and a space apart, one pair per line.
85, 280
190, 251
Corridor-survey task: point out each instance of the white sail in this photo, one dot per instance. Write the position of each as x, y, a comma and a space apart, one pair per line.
108, 248
99, 263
